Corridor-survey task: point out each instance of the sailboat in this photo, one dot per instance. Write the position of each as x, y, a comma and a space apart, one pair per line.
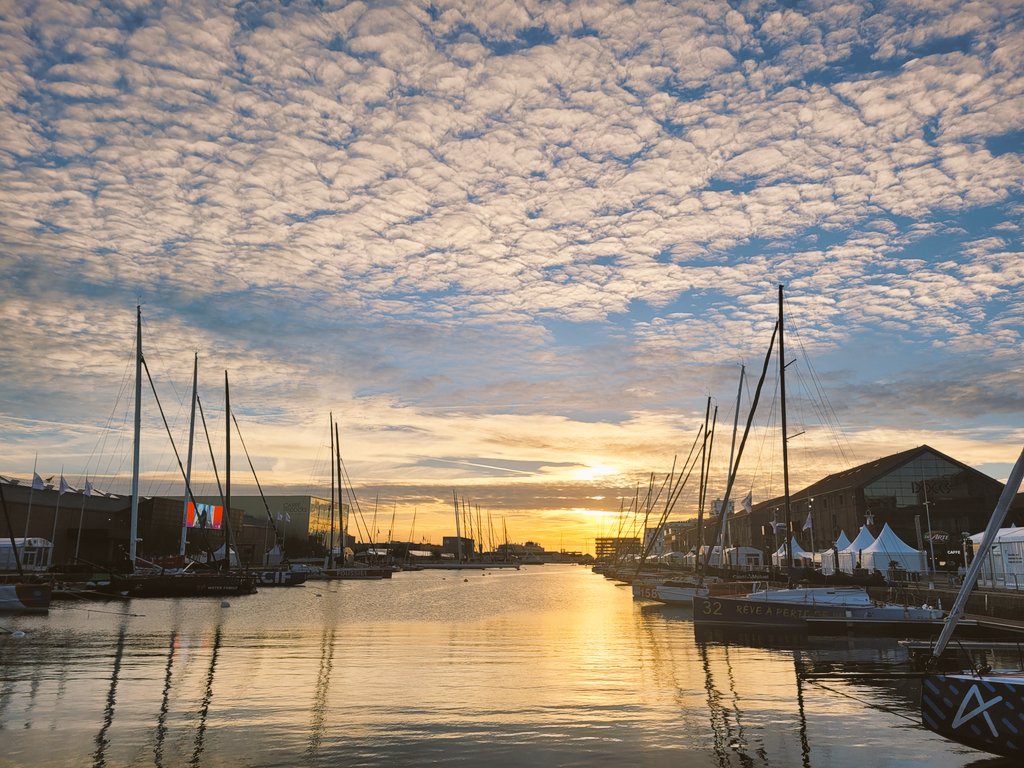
793, 608
23, 595
981, 708
184, 582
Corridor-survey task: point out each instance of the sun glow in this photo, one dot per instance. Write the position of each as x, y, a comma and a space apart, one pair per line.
594, 472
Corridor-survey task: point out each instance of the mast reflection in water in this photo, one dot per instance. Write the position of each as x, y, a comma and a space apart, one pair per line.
550, 665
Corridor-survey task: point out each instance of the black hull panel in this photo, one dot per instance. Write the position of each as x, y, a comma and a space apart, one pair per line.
280, 578
740, 612
198, 585
983, 713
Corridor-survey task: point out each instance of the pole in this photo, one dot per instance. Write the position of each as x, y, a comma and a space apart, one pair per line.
341, 507
133, 535
330, 546
31, 491
188, 461
81, 517
785, 439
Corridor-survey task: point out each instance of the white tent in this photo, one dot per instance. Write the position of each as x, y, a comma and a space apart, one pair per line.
273, 556
849, 557
1005, 564
827, 558
890, 548
219, 555
673, 557
744, 557
799, 553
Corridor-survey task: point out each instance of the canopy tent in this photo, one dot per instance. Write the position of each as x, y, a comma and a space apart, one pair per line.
889, 548
273, 556
850, 557
220, 555
673, 557
827, 557
1005, 564
711, 555
799, 553
744, 557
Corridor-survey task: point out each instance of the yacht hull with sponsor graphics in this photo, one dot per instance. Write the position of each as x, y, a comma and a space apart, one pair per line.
983, 712
747, 612
795, 615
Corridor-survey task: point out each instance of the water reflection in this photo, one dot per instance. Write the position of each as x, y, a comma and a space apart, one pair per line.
549, 667
102, 742
323, 683
161, 721
204, 708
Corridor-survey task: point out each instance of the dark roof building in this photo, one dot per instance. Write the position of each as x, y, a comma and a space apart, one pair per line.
914, 491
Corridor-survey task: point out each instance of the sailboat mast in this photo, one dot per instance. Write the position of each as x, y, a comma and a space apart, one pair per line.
133, 535
330, 549
785, 438
732, 455
341, 507
703, 483
227, 474
188, 461
458, 530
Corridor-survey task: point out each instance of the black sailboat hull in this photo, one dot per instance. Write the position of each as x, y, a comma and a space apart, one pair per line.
979, 712
183, 585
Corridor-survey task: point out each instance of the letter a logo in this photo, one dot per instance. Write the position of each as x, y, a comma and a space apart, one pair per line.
981, 709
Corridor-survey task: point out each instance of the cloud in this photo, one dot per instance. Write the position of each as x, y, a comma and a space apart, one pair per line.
407, 203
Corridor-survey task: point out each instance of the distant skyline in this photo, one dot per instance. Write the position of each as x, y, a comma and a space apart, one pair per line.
513, 247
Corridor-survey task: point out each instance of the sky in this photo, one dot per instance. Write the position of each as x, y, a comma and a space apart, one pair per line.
513, 247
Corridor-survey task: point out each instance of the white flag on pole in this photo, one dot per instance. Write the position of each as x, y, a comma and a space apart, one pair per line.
64, 487
88, 488
809, 523
748, 502
37, 482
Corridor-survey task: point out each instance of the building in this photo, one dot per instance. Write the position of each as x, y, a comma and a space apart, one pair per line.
926, 497
458, 545
94, 529
614, 547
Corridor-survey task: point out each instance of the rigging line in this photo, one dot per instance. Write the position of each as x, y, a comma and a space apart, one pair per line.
169, 436
270, 517
350, 489
829, 416
216, 476
865, 702
108, 425
746, 430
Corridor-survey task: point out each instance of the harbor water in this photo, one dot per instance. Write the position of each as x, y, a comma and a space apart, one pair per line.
547, 666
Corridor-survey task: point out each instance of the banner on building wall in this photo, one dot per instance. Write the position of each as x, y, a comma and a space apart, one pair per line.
205, 516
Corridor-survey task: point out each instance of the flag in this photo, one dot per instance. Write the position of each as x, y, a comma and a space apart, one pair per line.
809, 523
88, 488
280, 516
776, 526
287, 517
37, 482
64, 487
748, 502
